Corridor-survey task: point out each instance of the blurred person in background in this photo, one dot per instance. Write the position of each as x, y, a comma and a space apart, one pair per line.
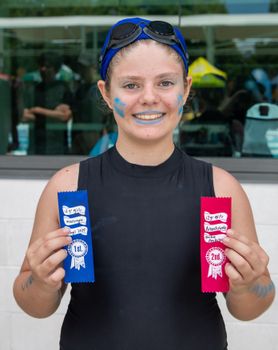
52, 108
86, 107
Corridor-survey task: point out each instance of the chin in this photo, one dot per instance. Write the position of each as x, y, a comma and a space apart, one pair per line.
154, 136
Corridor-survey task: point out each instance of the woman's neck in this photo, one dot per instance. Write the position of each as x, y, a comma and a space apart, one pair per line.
145, 153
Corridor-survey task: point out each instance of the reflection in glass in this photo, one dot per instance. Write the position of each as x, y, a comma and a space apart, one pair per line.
241, 54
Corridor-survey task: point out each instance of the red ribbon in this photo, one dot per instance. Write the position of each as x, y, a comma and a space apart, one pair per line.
215, 220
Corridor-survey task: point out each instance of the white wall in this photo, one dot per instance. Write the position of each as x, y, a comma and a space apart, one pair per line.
18, 331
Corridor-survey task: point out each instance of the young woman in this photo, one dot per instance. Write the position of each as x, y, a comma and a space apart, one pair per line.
144, 197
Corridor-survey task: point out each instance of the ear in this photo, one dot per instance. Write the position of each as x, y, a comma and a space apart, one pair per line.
104, 93
187, 88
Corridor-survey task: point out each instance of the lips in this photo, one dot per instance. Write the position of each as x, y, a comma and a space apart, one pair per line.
148, 116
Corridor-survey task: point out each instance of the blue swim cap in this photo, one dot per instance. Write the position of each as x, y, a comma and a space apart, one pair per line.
178, 45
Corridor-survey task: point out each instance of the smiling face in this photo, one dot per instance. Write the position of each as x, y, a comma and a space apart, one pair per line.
147, 92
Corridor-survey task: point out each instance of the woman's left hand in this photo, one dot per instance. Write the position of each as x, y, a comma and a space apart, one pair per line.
248, 261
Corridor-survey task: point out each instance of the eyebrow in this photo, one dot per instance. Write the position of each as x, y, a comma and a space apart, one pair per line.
160, 76
166, 75
129, 77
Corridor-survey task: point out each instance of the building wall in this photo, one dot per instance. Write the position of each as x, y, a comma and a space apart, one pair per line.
18, 331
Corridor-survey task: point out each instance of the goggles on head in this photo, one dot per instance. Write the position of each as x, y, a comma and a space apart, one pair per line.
126, 33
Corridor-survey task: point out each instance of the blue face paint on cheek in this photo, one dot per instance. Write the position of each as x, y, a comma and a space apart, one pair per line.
119, 107
180, 105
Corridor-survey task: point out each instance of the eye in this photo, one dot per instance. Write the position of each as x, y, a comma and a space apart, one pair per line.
131, 86
166, 83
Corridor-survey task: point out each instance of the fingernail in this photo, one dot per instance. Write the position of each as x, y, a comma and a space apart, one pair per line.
230, 232
226, 239
66, 229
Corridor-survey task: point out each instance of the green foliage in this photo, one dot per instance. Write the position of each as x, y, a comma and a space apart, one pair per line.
120, 7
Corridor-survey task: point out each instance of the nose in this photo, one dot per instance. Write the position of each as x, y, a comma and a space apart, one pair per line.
149, 95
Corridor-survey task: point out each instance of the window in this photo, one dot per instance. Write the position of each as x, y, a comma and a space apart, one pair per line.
48, 72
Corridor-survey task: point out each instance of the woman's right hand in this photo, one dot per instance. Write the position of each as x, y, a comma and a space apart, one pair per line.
45, 257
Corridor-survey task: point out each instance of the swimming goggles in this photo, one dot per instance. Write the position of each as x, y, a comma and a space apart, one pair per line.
126, 33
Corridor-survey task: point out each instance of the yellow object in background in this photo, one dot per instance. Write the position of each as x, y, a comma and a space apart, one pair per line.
205, 74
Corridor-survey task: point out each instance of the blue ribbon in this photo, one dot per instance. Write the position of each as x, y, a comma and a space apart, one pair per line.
74, 214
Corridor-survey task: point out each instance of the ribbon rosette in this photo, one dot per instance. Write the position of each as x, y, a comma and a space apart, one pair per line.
216, 258
78, 249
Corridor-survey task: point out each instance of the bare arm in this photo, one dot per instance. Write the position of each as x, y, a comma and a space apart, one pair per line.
61, 112
39, 287
251, 289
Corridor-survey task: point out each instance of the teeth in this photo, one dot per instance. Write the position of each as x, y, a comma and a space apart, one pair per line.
148, 116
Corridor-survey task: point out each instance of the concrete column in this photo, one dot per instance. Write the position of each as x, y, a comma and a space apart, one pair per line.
83, 43
210, 45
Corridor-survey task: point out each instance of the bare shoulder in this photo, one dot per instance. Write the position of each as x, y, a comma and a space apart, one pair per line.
65, 179
47, 215
225, 185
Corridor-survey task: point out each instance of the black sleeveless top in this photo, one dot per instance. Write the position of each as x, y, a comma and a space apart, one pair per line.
145, 225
